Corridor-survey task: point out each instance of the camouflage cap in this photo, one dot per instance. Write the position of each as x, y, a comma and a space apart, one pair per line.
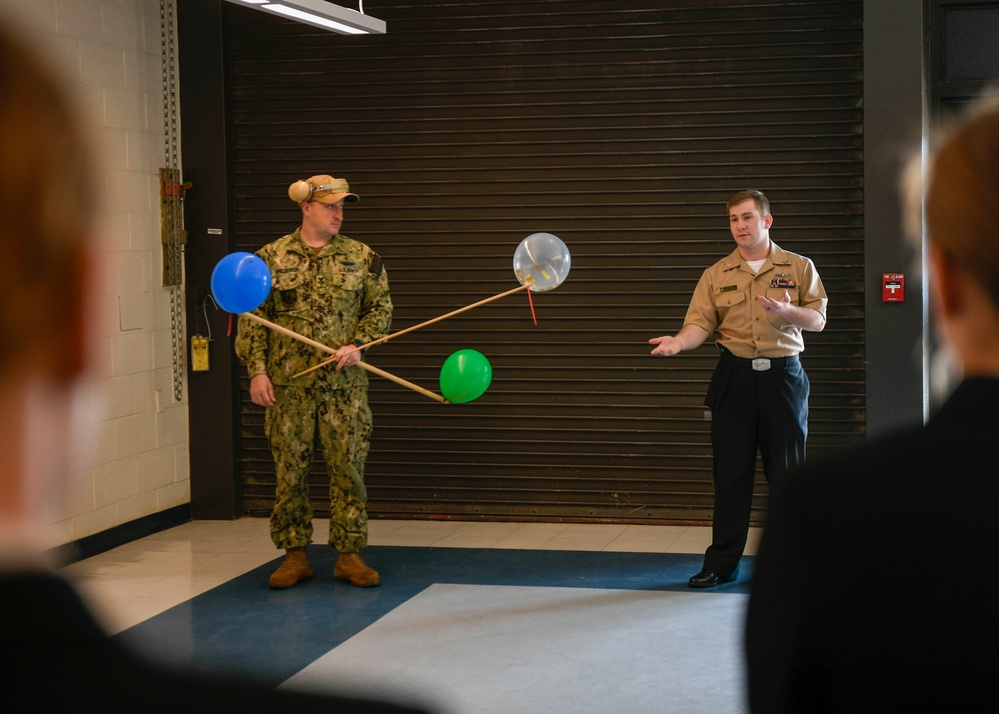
323, 189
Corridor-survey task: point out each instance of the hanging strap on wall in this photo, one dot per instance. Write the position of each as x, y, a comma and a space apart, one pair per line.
172, 233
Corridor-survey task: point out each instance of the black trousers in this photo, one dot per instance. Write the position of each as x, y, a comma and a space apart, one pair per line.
751, 411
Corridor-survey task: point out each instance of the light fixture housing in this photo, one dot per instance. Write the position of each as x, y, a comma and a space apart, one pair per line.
320, 14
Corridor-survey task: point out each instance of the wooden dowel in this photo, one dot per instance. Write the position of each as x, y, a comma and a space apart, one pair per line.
403, 382
329, 350
442, 317
417, 327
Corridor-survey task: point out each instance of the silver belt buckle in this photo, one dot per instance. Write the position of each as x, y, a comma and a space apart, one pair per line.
761, 364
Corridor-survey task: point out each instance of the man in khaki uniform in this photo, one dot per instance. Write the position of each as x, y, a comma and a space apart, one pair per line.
333, 290
759, 299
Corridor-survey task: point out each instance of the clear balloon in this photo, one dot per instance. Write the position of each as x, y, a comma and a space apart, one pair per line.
541, 262
240, 282
465, 376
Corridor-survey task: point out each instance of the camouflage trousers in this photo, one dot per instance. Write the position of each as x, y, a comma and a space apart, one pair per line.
343, 420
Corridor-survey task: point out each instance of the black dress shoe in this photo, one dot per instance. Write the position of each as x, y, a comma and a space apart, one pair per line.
707, 579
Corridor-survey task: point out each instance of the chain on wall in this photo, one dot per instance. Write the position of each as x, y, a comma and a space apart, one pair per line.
172, 234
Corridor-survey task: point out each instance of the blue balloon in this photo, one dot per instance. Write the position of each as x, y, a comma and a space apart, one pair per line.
241, 282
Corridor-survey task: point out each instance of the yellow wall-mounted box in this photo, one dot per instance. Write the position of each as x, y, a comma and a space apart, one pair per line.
199, 354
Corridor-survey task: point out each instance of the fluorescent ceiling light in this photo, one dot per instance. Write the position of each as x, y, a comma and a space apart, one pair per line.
321, 14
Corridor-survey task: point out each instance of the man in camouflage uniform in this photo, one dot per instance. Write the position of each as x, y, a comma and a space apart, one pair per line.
335, 291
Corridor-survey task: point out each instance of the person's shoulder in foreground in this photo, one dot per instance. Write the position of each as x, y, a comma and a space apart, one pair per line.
870, 590
56, 657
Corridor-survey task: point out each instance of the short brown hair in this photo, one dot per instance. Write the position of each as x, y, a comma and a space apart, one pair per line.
962, 197
48, 198
750, 194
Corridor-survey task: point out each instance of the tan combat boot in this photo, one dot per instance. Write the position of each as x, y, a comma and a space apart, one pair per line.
351, 568
294, 570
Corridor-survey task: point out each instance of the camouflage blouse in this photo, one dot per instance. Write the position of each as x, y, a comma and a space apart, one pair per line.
336, 297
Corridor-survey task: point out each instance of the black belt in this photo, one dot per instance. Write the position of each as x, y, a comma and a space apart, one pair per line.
760, 364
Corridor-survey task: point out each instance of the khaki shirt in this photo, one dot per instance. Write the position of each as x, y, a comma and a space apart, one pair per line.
335, 298
725, 301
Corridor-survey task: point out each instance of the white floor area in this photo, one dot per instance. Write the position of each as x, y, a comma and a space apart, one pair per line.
534, 650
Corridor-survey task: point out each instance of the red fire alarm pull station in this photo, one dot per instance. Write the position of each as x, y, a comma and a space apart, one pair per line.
892, 287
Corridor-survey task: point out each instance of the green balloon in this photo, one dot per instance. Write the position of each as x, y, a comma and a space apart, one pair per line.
465, 376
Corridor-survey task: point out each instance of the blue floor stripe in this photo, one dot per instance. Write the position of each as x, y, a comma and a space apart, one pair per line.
245, 627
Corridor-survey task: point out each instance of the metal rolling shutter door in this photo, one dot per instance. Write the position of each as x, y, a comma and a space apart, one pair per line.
621, 128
